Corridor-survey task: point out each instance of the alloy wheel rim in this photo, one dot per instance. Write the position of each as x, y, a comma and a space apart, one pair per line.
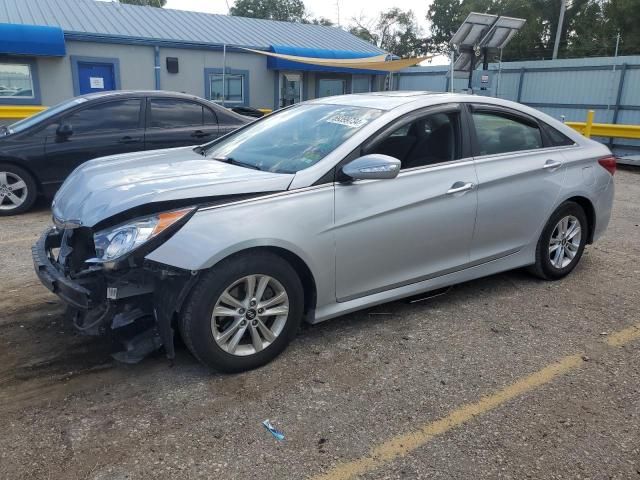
249, 315
565, 241
13, 191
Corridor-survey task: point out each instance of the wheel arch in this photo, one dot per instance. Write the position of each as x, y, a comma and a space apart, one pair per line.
299, 265
17, 163
589, 211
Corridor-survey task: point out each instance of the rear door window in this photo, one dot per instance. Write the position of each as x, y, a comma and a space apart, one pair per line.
209, 117
503, 133
173, 113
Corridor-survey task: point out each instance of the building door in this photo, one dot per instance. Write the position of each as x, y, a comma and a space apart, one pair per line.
290, 89
95, 77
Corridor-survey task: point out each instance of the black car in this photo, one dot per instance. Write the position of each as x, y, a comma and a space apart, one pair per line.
39, 152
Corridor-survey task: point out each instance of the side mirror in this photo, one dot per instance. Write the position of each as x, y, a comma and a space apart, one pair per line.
372, 167
64, 130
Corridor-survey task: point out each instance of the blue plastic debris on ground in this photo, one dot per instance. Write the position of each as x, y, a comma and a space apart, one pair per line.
276, 433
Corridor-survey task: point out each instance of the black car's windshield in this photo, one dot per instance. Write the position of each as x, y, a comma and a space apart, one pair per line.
293, 139
43, 115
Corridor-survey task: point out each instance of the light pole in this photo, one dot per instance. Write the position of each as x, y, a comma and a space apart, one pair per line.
563, 7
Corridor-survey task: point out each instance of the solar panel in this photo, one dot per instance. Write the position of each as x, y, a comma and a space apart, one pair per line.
501, 32
480, 33
473, 30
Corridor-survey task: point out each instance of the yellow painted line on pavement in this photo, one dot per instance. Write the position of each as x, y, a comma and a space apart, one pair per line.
404, 444
625, 336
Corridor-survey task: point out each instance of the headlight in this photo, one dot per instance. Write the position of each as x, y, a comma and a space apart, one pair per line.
113, 243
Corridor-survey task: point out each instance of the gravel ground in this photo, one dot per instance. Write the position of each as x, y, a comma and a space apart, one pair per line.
68, 411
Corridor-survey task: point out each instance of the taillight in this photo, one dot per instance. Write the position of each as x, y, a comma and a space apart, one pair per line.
608, 163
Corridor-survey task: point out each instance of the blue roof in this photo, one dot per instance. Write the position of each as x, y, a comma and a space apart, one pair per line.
31, 40
90, 19
275, 63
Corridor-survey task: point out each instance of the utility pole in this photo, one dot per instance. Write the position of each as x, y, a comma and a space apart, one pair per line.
563, 7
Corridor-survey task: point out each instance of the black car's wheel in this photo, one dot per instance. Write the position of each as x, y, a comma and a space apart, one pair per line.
18, 190
243, 312
561, 243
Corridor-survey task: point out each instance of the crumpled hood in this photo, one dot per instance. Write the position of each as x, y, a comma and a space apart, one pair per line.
106, 186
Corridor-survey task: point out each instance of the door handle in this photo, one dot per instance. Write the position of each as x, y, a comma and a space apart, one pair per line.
552, 164
460, 187
128, 139
200, 134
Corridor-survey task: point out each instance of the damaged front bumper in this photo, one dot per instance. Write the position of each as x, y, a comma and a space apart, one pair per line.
138, 297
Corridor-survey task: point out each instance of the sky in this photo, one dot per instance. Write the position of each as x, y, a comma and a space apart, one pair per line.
349, 9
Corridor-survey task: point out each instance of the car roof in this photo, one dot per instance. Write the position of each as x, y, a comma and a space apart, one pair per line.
380, 100
129, 93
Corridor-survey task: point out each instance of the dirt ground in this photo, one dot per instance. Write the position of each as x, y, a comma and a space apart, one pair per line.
68, 411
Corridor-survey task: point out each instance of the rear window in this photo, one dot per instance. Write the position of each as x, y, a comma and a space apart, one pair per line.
556, 139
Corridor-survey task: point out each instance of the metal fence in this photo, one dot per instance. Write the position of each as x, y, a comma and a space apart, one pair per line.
564, 89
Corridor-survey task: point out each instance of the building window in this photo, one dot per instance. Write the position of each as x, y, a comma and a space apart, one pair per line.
16, 82
233, 91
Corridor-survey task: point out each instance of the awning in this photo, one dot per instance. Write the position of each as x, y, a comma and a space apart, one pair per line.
31, 40
309, 59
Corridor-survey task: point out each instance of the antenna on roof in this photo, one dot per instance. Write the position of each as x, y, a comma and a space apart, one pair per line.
479, 35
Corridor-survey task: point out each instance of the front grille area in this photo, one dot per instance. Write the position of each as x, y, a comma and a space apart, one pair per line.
76, 247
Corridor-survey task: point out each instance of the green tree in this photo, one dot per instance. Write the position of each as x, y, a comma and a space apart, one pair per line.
589, 27
149, 3
284, 10
395, 31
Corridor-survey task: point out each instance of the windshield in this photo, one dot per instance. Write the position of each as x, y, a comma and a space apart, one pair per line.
294, 139
48, 113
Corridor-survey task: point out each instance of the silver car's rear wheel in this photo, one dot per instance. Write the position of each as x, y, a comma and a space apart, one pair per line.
250, 314
561, 242
565, 241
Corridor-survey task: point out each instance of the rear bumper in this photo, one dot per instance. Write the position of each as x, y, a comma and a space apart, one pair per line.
603, 206
52, 277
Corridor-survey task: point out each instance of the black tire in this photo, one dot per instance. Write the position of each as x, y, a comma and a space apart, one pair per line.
544, 267
195, 323
30, 190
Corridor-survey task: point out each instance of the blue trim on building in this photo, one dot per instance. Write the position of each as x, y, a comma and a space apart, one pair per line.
231, 71
75, 60
35, 83
17, 39
156, 66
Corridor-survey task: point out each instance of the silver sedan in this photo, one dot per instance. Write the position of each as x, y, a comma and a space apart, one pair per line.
320, 209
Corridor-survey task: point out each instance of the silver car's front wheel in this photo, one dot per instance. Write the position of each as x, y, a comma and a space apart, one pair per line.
243, 312
250, 314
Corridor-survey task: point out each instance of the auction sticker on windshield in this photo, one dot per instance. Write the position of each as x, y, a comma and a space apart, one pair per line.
350, 121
